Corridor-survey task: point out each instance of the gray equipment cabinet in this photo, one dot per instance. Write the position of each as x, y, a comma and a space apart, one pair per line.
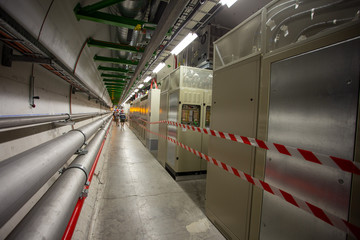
186, 97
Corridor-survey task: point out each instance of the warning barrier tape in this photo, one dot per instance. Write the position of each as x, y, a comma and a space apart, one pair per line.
318, 158
325, 216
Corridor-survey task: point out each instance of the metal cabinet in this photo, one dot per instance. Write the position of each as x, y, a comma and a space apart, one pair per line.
313, 105
234, 110
288, 74
185, 94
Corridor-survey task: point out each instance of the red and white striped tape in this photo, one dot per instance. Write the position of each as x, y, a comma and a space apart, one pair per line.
325, 216
318, 158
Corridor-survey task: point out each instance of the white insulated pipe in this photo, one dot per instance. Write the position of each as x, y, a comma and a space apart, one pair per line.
49, 217
16, 121
22, 175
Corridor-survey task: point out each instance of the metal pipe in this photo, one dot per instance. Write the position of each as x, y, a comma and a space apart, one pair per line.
49, 217
21, 176
16, 121
77, 210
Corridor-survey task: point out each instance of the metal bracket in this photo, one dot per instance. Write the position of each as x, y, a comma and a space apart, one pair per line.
31, 92
90, 97
75, 90
61, 171
84, 193
82, 168
81, 152
8, 57
78, 130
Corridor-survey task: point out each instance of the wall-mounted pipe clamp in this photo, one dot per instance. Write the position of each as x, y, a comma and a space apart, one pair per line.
82, 168
84, 193
65, 122
81, 151
78, 130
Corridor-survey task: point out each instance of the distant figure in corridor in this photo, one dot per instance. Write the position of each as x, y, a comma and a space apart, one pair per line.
122, 118
117, 117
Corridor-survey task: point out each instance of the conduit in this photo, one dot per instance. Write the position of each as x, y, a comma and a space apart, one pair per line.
16, 121
50, 216
21, 176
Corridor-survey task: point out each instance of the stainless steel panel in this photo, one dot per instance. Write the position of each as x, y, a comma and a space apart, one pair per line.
164, 84
172, 130
242, 41
174, 79
162, 151
313, 105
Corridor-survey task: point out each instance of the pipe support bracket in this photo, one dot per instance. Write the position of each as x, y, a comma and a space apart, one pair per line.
82, 168
78, 130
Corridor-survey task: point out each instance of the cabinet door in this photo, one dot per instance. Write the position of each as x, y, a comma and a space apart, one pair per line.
234, 110
313, 106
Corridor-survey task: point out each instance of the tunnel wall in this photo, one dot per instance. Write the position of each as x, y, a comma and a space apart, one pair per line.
55, 97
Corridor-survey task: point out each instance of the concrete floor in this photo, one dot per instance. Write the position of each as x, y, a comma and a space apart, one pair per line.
140, 200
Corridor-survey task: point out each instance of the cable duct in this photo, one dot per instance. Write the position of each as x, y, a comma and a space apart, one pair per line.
22, 175
50, 216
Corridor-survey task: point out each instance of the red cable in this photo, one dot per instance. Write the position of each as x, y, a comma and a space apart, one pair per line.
78, 58
42, 25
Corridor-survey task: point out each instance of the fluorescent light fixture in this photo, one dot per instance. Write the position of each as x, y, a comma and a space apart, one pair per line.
228, 3
127, 99
140, 85
136, 90
159, 67
148, 78
184, 43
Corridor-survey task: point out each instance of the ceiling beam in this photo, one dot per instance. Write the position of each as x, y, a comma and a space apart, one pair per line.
114, 85
114, 46
115, 76
114, 80
114, 20
115, 60
113, 69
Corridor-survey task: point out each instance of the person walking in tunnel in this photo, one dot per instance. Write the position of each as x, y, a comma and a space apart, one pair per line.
122, 118
117, 117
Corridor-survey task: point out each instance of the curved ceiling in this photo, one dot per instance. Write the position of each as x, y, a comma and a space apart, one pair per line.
104, 47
